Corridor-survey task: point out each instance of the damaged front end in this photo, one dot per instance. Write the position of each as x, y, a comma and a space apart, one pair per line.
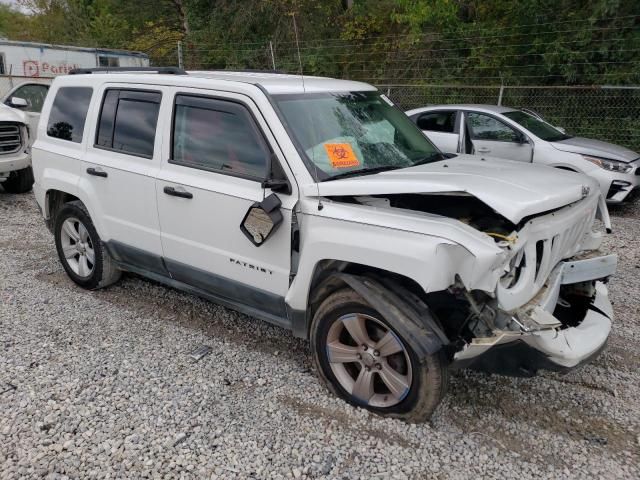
567, 322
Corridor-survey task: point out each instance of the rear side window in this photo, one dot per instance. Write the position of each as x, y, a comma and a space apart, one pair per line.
484, 127
128, 121
218, 135
437, 122
69, 113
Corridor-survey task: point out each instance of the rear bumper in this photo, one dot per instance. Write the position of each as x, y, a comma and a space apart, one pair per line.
549, 345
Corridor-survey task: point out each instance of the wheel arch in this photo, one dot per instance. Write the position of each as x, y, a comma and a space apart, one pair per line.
387, 292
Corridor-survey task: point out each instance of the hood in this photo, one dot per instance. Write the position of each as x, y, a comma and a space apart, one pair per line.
8, 114
597, 148
513, 189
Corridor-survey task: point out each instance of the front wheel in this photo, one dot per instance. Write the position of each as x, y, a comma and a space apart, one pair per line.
19, 181
363, 359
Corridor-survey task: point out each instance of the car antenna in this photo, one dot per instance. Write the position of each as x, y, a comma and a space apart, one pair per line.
304, 90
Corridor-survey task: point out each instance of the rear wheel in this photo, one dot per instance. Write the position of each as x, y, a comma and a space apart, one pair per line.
19, 181
80, 249
362, 358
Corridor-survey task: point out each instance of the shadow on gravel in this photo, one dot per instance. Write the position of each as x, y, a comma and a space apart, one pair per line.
493, 405
169, 305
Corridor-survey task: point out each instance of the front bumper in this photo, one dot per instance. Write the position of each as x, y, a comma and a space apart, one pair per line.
15, 161
543, 342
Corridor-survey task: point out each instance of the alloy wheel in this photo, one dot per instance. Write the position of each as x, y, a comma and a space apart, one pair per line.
369, 360
77, 247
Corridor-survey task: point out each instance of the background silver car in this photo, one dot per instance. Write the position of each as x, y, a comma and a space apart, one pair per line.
523, 136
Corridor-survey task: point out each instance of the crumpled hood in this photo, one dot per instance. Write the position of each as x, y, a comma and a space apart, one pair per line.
597, 148
513, 189
8, 114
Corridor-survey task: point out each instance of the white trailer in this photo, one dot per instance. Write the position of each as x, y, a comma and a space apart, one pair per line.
42, 60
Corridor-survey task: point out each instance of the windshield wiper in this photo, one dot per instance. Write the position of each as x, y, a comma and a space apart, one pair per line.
364, 171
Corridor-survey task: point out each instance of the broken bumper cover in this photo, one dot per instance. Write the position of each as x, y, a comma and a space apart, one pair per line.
559, 349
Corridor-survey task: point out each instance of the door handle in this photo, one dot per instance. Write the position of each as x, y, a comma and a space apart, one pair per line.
182, 193
96, 172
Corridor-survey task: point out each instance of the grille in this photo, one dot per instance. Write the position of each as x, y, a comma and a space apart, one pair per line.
550, 240
10, 138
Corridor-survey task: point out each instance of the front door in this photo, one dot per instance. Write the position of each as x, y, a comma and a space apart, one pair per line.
492, 137
218, 157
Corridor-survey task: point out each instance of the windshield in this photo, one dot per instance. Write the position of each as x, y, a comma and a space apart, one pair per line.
353, 133
539, 128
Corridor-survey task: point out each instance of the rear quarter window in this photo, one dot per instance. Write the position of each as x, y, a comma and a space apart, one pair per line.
69, 113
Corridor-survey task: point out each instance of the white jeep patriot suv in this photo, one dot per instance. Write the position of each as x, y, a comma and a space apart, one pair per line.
317, 205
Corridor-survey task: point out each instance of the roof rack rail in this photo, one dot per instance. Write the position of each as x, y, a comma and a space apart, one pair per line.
163, 70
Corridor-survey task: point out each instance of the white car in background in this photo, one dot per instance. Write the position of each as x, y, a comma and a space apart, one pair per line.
19, 115
519, 135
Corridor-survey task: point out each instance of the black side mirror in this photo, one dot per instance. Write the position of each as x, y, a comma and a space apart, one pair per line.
262, 219
277, 180
522, 139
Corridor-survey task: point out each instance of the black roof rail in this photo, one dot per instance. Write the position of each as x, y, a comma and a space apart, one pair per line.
248, 70
163, 70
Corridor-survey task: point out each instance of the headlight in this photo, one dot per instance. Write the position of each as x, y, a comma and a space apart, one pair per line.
611, 165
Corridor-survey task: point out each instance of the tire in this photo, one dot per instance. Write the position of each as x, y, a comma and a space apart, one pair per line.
423, 380
19, 181
80, 249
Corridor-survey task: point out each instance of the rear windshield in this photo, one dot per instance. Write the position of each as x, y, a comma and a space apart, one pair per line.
539, 128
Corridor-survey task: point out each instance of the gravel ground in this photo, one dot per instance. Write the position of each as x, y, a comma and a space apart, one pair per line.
101, 385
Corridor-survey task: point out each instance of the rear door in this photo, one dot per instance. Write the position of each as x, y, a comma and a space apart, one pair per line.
218, 153
441, 127
120, 166
493, 137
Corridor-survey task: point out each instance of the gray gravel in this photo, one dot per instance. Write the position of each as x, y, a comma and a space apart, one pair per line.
105, 387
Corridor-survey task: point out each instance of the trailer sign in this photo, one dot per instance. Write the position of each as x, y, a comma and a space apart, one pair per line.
34, 68
40, 60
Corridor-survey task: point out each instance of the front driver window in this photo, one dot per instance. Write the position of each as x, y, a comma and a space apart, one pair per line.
485, 127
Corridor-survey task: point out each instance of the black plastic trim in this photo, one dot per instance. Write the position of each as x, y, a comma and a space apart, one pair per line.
159, 70
517, 359
126, 255
229, 293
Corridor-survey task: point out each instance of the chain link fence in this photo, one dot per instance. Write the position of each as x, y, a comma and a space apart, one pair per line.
608, 113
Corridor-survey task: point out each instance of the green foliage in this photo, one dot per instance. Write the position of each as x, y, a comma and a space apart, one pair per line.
384, 41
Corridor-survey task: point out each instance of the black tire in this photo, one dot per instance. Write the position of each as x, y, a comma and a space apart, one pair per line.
19, 181
429, 374
104, 271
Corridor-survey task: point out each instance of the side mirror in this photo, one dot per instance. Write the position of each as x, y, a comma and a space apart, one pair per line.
18, 102
522, 139
262, 219
277, 180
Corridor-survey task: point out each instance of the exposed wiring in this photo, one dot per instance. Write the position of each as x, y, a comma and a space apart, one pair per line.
511, 238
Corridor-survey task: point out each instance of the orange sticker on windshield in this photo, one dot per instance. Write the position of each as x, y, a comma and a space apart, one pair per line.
341, 155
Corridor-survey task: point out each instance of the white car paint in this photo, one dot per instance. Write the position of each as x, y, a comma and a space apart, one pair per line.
21, 158
27, 118
434, 251
565, 154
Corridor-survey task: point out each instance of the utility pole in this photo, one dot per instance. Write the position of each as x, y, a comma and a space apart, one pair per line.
273, 58
180, 60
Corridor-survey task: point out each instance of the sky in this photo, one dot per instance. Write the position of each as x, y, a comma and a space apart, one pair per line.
14, 3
